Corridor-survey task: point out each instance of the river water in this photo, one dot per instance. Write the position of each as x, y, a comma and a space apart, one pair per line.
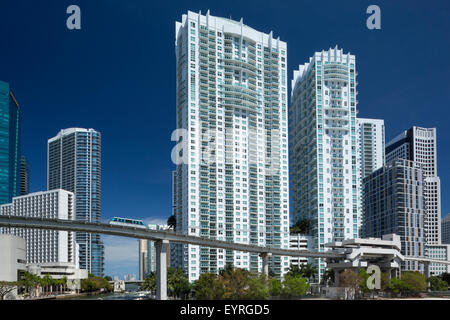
116, 296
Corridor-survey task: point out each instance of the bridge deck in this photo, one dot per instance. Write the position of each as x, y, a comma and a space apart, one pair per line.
132, 232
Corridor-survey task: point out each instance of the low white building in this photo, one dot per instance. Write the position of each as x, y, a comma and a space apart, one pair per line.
438, 252
45, 246
298, 241
12, 259
59, 270
385, 253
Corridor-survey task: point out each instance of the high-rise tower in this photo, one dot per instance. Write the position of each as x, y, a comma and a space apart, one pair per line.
325, 170
9, 145
420, 145
232, 105
74, 164
24, 176
394, 202
371, 145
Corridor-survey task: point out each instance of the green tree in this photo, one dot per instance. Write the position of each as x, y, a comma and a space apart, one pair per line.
30, 282
47, 283
93, 283
363, 276
294, 270
301, 226
294, 286
177, 283
398, 286
108, 278
228, 268
258, 288
437, 284
236, 283
209, 287
385, 281
415, 280
149, 283
446, 277
306, 270
88, 285
275, 287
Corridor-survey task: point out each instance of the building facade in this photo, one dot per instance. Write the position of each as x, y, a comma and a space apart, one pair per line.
74, 164
147, 253
325, 170
420, 145
445, 227
45, 246
394, 203
371, 145
438, 252
9, 144
298, 241
232, 109
24, 176
13, 255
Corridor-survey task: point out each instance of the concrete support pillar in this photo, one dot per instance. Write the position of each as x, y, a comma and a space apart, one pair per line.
162, 247
265, 262
426, 266
336, 278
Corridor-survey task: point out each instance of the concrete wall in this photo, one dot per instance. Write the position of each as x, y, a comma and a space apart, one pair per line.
12, 257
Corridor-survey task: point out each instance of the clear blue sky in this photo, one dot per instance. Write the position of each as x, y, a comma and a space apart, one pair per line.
117, 75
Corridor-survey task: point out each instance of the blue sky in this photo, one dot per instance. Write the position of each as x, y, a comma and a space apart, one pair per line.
117, 75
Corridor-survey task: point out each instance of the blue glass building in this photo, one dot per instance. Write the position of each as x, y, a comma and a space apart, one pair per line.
9, 144
74, 164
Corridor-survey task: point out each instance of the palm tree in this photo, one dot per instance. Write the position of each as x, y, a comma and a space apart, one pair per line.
172, 222
308, 271
63, 283
29, 281
47, 282
294, 270
301, 226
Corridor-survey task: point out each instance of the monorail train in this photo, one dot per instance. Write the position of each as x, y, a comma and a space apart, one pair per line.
128, 222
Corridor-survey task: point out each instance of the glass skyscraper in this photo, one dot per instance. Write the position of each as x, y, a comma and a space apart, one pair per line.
74, 164
9, 144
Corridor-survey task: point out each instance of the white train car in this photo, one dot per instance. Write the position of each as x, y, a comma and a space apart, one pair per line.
128, 222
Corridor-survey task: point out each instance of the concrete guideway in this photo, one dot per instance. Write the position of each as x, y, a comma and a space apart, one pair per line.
155, 235
352, 252
162, 240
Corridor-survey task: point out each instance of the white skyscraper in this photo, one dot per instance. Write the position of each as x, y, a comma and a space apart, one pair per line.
325, 173
45, 246
232, 103
371, 145
419, 145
